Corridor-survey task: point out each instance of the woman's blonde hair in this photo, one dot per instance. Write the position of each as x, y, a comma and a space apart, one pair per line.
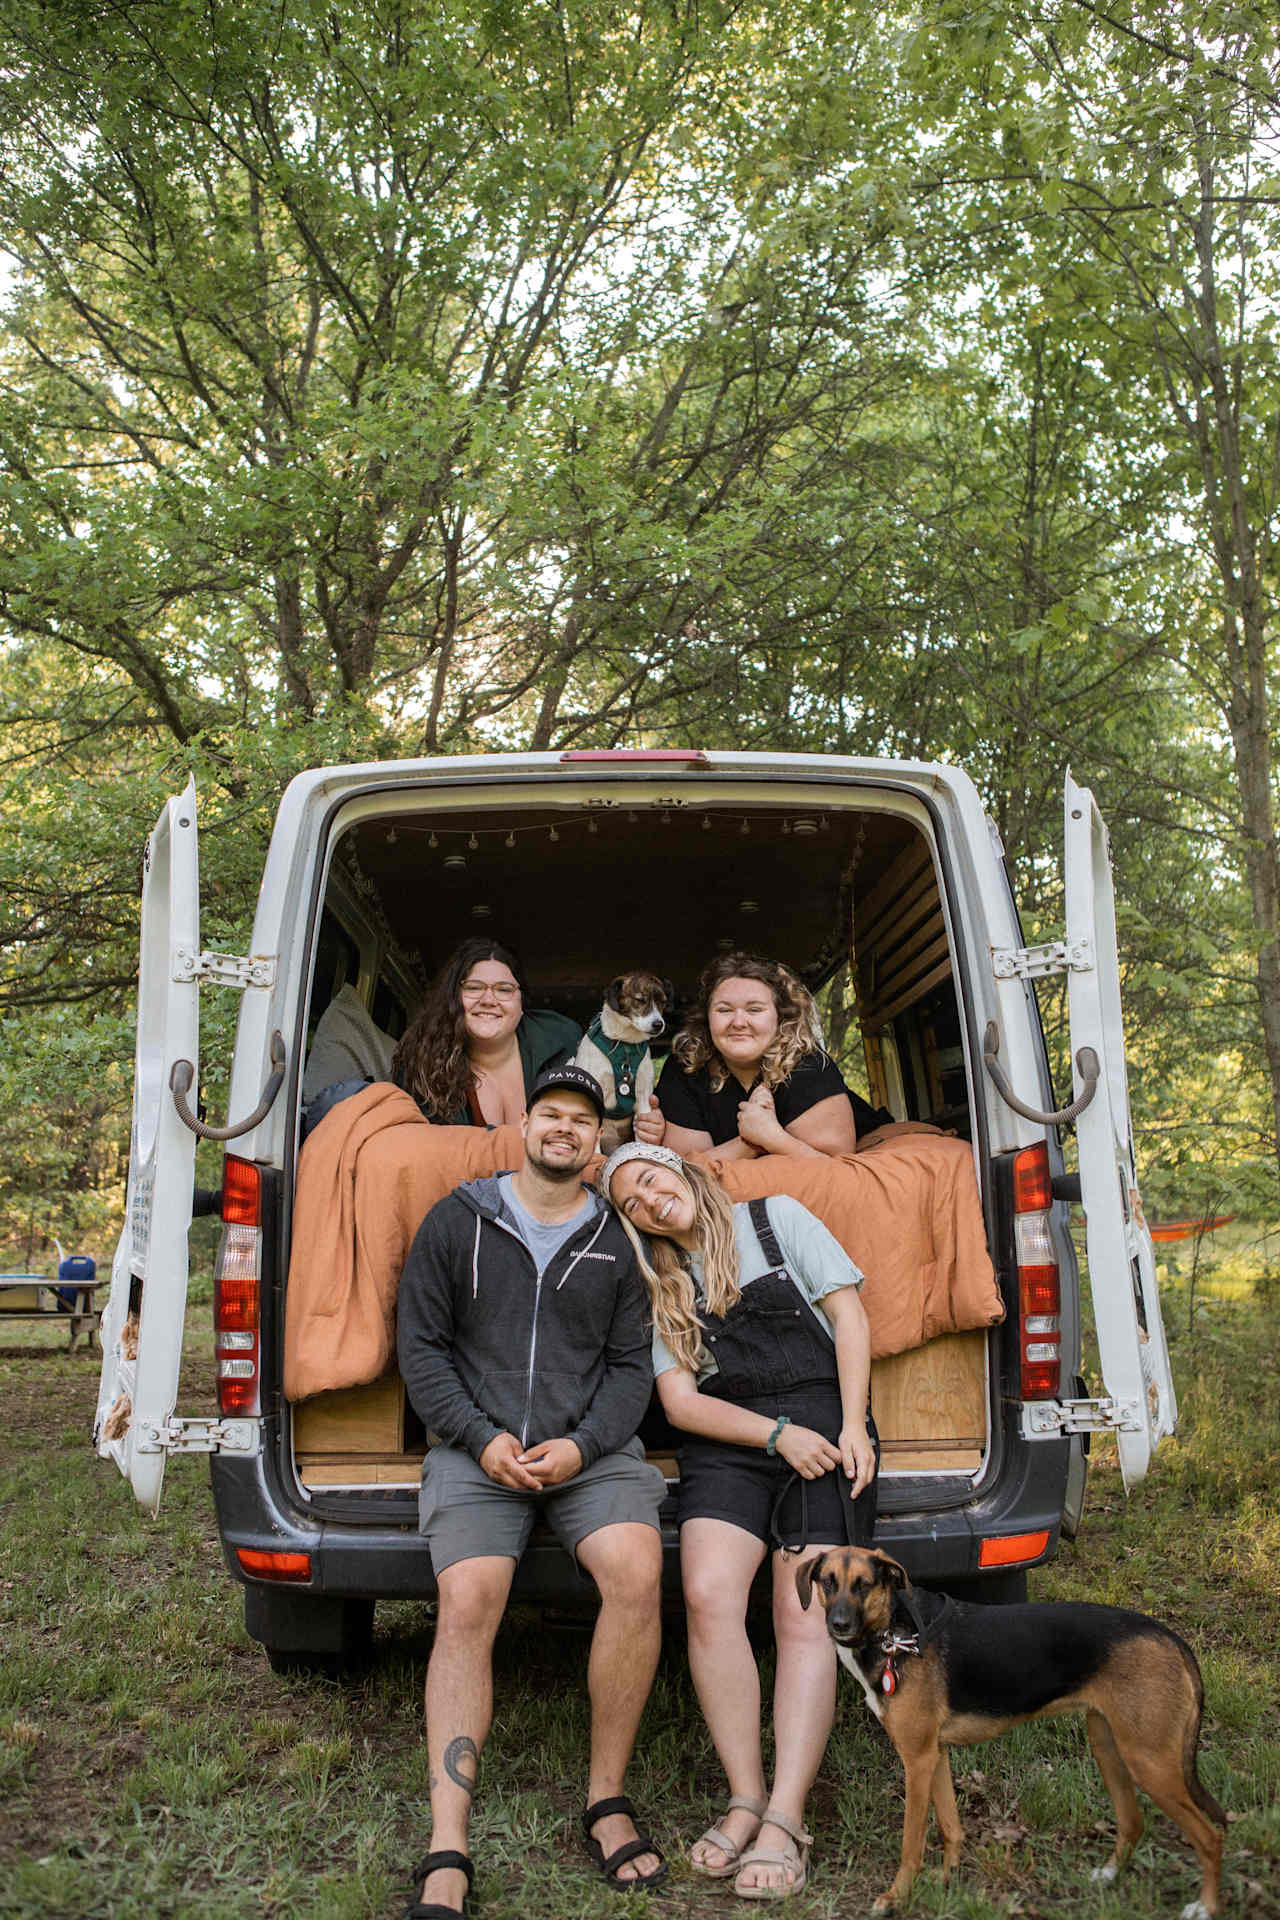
797, 1031
670, 1284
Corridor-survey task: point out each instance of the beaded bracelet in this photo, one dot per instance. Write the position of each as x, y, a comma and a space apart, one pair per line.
771, 1444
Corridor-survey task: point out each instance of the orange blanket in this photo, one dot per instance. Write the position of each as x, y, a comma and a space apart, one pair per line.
907, 1210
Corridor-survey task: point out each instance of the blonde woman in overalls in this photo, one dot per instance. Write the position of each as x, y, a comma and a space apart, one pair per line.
762, 1356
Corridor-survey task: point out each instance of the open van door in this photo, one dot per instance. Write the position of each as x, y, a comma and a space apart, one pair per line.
142, 1327
1122, 1272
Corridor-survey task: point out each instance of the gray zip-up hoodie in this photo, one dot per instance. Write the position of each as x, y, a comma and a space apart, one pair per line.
487, 1348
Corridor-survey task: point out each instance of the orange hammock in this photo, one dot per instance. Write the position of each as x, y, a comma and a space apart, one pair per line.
1183, 1229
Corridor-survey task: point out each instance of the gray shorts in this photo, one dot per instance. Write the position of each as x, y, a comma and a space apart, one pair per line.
466, 1516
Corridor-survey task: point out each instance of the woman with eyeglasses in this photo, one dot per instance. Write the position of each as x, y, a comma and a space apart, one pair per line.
473, 1050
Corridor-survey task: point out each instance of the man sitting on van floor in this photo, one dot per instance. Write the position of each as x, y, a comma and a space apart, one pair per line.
524, 1347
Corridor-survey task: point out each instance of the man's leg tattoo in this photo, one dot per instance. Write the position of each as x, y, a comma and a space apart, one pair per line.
462, 1763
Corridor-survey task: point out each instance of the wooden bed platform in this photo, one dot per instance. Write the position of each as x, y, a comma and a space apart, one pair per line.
930, 1408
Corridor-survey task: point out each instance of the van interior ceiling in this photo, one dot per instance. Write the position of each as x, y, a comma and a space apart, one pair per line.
584, 895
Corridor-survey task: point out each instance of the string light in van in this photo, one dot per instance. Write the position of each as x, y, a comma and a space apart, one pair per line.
806, 826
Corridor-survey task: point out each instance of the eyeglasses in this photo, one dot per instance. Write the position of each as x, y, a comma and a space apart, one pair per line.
504, 990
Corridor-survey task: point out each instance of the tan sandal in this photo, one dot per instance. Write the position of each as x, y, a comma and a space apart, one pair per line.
797, 1859
719, 1838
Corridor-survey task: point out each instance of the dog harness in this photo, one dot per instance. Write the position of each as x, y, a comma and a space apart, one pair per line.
624, 1056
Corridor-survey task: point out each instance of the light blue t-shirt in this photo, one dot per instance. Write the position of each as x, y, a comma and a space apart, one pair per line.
544, 1241
814, 1258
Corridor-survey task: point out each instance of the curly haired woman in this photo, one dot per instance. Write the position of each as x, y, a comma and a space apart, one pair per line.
747, 1074
472, 1052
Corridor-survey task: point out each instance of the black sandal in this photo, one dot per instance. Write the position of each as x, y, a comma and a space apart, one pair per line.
436, 1863
629, 1850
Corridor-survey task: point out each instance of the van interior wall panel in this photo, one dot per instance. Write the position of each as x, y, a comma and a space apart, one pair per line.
873, 1053
899, 938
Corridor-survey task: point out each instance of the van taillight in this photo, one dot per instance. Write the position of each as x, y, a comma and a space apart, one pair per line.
236, 1287
241, 1192
1039, 1289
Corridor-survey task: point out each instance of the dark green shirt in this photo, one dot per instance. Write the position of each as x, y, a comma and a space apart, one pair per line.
545, 1039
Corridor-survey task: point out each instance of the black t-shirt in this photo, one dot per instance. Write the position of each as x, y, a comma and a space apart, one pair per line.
687, 1099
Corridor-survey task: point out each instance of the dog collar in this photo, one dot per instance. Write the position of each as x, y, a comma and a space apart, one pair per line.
894, 1641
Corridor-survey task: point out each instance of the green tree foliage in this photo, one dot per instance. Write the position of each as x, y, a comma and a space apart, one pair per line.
1108, 179
419, 377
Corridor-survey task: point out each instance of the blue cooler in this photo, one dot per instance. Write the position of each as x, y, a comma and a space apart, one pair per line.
77, 1270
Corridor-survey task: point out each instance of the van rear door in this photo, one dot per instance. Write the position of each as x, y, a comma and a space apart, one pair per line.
142, 1326
1122, 1274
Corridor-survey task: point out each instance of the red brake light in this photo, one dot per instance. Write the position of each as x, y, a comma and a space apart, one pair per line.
241, 1192
1032, 1181
629, 756
264, 1565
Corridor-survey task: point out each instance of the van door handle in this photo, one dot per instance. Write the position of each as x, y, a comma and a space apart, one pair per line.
1086, 1066
183, 1073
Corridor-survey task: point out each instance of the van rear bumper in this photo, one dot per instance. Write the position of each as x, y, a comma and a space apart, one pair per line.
367, 1560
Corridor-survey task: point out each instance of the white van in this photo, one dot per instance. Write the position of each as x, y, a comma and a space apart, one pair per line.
590, 863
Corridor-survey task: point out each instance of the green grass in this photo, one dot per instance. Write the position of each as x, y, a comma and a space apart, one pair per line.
152, 1765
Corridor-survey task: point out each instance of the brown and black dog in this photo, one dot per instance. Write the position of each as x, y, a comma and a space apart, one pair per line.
939, 1673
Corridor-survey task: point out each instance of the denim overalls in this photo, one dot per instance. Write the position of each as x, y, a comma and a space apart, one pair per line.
773, 1358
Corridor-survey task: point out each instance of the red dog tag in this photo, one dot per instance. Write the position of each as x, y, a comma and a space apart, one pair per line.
889, 1679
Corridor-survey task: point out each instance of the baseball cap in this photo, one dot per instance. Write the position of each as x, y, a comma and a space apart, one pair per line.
571, 1079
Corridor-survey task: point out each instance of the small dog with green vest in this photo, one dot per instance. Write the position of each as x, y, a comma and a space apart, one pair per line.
615, 1047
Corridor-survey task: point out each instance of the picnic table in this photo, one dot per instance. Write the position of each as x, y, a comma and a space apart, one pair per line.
34, 1296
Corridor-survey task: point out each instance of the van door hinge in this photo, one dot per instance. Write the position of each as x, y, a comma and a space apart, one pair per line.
198, 1435
1047, 1419
225, 969
1036, 963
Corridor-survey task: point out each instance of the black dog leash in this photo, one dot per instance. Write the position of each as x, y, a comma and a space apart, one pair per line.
775, 1531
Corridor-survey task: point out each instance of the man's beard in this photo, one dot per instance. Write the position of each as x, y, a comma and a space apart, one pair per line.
558, 1170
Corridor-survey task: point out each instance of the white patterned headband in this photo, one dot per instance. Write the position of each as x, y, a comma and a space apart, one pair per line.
636, 1150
